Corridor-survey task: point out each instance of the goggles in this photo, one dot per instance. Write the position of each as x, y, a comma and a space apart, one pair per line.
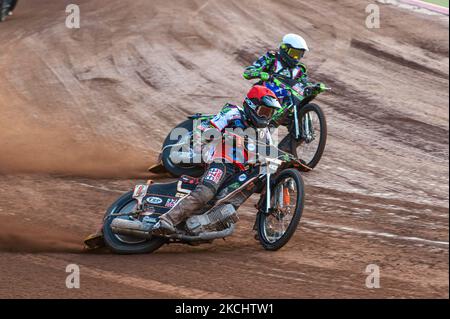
296, 53
267, 109
265, 112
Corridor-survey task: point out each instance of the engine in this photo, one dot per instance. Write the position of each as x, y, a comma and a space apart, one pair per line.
217, 219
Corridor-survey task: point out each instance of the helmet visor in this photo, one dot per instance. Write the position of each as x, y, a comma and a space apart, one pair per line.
296, 54
271, 101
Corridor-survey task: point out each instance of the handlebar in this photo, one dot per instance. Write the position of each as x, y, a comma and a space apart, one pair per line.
308, 90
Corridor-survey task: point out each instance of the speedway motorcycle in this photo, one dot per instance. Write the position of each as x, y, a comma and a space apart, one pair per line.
279, 209
305, 121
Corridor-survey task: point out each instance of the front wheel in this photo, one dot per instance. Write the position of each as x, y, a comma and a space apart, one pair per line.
122, 244
276, 228
313, 128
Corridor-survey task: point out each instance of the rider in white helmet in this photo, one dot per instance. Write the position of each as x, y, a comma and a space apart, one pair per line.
287, 61
292, 49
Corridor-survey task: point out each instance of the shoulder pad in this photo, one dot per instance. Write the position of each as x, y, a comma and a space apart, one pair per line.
271, 54
229, 105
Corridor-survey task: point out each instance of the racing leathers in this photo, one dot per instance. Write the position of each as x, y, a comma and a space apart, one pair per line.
272, 63
222, 163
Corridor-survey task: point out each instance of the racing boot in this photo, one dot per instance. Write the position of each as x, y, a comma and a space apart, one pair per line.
188, 206
164, 227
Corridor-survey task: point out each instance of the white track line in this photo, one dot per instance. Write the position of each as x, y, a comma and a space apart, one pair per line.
373, 233
102, 188
427, 5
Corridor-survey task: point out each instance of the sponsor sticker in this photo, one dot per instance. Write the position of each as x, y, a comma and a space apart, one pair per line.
234, 186
140, 191
180, 195
251, 147
154, 200
238, 123
242, 178
214, 175
171, 202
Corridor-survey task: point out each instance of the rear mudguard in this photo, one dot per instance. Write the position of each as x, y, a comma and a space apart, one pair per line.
157, 168
94, 241
161, 198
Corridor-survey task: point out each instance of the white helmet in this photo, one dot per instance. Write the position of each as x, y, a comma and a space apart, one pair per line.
293, 48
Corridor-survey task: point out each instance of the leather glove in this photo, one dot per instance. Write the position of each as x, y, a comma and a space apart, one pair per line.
321, 87
285, 157
264, 76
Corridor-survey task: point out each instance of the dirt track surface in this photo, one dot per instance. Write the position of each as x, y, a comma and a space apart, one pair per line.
83, 112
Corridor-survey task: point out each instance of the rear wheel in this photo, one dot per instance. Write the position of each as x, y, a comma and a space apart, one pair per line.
121, 244
176, 169
276, 228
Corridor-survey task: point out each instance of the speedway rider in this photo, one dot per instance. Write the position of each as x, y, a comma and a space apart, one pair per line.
285, 62
258, 109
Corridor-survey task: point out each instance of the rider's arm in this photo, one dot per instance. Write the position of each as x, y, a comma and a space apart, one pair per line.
207, 132
302, 77
226, 115
304, 81
212, 131
221, 120
262, 65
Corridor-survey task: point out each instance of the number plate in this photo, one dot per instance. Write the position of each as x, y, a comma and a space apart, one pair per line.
140, 191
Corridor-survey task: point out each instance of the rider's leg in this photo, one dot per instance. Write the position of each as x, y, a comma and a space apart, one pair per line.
186, 207
214, 177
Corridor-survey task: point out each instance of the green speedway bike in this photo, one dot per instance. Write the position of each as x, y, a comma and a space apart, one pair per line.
305, 121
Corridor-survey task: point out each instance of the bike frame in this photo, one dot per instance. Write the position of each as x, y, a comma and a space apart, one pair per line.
297, 100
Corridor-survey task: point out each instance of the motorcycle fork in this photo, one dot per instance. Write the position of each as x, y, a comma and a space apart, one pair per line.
307, 127
268, 195
283, 196
296, 123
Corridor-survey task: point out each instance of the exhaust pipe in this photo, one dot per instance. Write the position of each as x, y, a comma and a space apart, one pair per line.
132, 228
205, 236
141, 230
